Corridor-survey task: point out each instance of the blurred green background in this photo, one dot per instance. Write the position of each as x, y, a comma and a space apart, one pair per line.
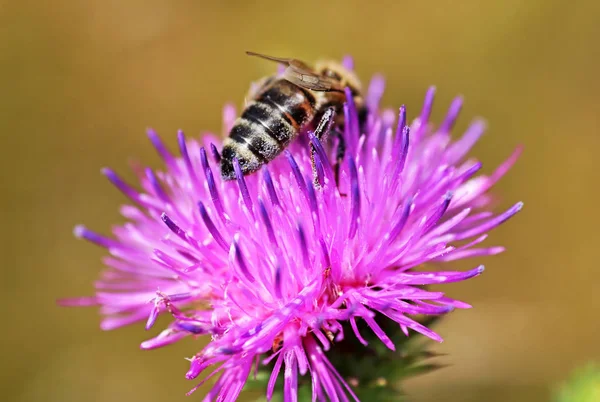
81, 80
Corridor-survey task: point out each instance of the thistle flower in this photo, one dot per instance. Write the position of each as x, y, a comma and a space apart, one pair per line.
271, 267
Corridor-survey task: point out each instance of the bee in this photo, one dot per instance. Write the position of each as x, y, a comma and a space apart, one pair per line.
284, 105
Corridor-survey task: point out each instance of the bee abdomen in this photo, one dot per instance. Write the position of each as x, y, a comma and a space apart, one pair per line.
274, 121
251, 144
296, 105
266, 127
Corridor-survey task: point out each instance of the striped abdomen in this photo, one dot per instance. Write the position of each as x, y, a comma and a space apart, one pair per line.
267, 125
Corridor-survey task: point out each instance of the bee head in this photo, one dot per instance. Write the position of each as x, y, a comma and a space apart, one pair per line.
336, 72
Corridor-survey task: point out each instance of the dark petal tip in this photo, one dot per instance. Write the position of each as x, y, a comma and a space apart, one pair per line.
215, 153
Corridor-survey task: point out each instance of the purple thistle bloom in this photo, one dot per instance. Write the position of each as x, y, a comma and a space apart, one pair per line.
270, 266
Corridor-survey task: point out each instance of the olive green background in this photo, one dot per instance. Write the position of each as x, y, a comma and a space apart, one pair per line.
81, 80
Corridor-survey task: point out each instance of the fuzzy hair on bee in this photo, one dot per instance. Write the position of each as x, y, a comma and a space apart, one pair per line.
280, 107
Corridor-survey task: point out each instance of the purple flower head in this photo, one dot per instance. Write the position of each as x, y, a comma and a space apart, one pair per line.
270, 266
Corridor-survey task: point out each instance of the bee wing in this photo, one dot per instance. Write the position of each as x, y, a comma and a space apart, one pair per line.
309, 80
282, 60
298, 73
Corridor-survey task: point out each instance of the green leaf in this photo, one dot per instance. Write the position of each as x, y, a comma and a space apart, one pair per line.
373, 371
583, 386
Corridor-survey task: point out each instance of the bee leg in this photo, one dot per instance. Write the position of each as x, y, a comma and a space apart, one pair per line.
321, 132
339, 157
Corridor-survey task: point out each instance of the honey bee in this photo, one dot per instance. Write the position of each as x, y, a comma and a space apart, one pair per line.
282, 106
